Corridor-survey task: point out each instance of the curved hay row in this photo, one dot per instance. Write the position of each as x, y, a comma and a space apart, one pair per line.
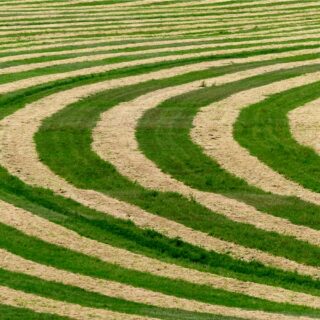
55, 234
124, 4
217, 4
206, 41
122, 17
111, 6
39, 304
110, 288
130, 2
70, 20
156, 9
139, 34
140, 27
72, 2
133, 41
165, 32
225, 4
213, 131
290, 31
118, 16
124, 45
99, 57
98, 17
305, 124
267, 15
19, 156
43, 24
136, 10
114, 141
225, 15
120, 37
36, 80
177, 46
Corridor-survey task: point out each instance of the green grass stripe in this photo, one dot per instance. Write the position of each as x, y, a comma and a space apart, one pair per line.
44, 23
7, 78
150, 8
95, 16
156, 18
64, 145
11, 313
121, 233
149, 51
50, 43
249, 6
130, 10
164, 4
34, 199
75, 295
56, 48
107, 32
132, 13
263, 128
100, 25
45, 253
296, 31
96, 33
227, 4
167, 128
218, 40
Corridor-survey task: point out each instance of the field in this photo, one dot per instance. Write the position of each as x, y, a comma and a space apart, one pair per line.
160, 159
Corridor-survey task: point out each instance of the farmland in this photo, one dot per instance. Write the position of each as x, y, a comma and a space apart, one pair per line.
160, 159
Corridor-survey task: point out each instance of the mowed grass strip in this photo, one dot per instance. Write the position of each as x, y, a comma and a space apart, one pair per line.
48, 49
17, 67
187, 17
225, 27
82, 40
186, 32
37, 59
122, 233
223, 9
167, 128
42, 252
9, 313
138, 61
136, 27
38, 198
277, 148
61, 131
114, 141
75, 295
91, 22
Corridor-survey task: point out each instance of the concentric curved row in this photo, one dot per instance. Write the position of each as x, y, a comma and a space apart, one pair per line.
121, 117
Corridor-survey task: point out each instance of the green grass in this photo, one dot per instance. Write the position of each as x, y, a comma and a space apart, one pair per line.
162, 33
6, 78
75, 295
299, 43
39, 198
171, 26
64, 145
9, 313
48, 254
263, 128
167, 127
69, 42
